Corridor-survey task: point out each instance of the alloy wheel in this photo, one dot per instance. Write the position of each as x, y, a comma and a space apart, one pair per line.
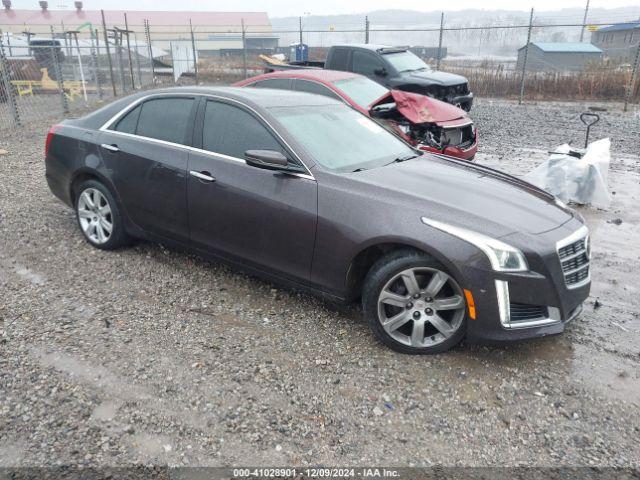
94, 215
421, 307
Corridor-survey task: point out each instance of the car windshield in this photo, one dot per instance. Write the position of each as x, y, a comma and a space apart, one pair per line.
362, 90
341, 139
406, 61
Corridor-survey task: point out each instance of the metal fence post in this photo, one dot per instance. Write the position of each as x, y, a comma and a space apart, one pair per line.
632, 81
244, 50
440, 41
95, 54
58, 73
106, 44
118, 39
524, 60
195, 56
366, 29
135, 39
147, 32
126, 29
300, 27
5, 78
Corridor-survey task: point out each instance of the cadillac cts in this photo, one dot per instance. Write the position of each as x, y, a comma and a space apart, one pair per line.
303, 189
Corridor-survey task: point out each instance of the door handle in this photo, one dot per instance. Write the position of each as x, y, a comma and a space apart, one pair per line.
204, 176
111, 148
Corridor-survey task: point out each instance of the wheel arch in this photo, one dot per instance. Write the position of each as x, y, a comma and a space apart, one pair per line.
372, 251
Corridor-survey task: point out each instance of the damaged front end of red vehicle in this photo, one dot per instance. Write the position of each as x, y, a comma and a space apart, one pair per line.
427, 123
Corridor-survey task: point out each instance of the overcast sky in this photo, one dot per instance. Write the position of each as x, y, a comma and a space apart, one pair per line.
280, 8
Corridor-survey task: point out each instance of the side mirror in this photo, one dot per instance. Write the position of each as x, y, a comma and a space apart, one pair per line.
381, 72
269, 159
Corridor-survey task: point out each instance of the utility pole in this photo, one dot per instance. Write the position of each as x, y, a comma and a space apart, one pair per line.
524, 60
584, 20
440, 41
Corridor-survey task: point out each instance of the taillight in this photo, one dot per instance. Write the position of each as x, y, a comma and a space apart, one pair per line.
50, 134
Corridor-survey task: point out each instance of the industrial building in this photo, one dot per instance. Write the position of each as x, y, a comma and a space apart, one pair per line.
213, 31
558, 57
619, 42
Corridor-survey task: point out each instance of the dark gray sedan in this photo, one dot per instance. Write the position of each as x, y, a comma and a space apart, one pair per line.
305, 191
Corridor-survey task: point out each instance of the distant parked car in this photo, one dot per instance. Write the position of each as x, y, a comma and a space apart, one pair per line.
305, 190
425, 122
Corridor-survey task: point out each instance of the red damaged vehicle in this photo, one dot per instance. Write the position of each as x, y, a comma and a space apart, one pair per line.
425, 122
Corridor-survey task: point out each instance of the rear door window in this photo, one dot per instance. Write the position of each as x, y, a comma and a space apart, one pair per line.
365, 63
279, 83
231, 130
339, 59
167, 119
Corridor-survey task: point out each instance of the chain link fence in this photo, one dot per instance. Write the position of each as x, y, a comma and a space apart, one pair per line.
53, 72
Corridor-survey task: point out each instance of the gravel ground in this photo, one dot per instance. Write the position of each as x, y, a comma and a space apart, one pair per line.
151, 356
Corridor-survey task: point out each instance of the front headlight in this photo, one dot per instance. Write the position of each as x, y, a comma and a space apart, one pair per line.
503, 257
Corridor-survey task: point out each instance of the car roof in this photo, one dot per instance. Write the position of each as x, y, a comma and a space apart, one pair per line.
319, 74
368, 46
260, 98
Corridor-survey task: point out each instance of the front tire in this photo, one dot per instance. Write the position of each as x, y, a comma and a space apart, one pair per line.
413, 305
99, 217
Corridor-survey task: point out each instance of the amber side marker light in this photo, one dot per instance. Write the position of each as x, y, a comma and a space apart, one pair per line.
470, 303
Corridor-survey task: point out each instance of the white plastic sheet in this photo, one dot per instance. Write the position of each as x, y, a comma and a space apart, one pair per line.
579, 180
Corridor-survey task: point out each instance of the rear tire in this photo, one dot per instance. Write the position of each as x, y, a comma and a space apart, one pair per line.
413, 305
99, 217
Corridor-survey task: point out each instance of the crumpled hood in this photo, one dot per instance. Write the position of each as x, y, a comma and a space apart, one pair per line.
467, 195
419, 108
428, 77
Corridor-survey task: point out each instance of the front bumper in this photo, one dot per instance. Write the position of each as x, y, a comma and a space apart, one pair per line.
464, 101
457, 152
523, 305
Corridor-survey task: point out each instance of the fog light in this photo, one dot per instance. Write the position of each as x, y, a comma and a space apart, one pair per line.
502, 290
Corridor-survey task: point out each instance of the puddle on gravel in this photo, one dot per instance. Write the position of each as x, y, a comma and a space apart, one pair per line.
105, 411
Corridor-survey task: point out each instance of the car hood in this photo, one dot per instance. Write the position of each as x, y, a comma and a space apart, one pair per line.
467, 195
428, 77
419, 108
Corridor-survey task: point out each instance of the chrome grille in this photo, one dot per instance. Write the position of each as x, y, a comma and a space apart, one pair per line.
574, 257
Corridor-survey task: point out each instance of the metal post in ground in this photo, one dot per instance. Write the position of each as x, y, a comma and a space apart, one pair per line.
5, 80
366, 29
55, 61
74, 34
195, 55
524, 59
9, 44
95, 55
584, 21
147, 32
244, 51
106, 44
135, 39
126, 32
117, 33
632, 81
440, 41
